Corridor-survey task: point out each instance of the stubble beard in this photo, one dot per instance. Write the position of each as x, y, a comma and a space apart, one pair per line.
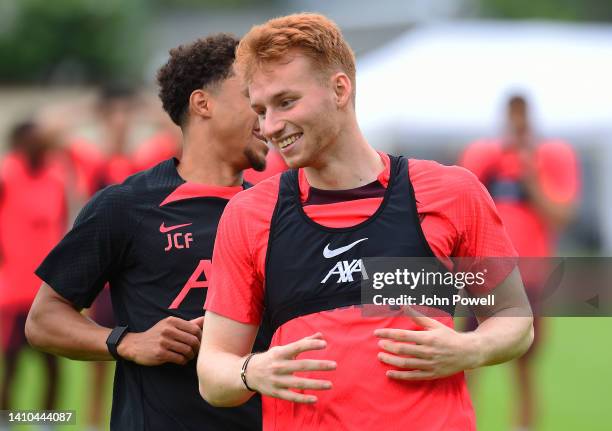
256, 162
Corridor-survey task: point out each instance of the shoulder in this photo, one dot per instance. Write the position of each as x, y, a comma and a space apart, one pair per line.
152, 186
451, 192
117, 198
555, 144
487, 145
109, 212
257, 200
152, 176
84, 152
555, 150
480, 155
432, 178
138, 191
248, 214
11, 169
12, 161
138, 185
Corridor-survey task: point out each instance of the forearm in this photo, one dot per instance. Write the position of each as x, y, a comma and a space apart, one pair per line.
505, 330
56, 327
219, 378
501, 338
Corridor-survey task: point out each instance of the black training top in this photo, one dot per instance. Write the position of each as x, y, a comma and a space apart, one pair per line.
151, 238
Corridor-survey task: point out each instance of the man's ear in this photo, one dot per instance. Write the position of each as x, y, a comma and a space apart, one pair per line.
200, 103
343, 88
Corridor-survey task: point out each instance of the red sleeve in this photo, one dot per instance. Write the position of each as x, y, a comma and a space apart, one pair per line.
558, 171
483, 233
459, 218
236, 288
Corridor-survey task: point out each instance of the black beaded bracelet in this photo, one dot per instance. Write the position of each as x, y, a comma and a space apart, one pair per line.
243, 372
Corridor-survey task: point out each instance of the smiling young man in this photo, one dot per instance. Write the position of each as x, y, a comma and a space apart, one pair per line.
286, 249
151, 238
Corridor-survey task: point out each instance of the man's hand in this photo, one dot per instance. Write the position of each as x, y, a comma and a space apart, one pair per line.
436, 352
271, 373
172, 340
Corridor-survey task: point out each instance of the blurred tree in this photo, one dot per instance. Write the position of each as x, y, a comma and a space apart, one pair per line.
566, 10
72, 40
226, 4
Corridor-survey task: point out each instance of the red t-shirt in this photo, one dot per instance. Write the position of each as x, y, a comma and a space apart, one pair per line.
557, 173
458, 219
86, 161
32, 220
117, 168
161, 146
93, 170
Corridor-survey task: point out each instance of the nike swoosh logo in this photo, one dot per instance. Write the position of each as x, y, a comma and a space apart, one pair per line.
333, 253
164, 229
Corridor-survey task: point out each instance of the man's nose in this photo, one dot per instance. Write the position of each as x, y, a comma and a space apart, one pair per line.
271, 126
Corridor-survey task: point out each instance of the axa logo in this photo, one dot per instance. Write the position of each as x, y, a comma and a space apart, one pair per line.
344, 269
178, 240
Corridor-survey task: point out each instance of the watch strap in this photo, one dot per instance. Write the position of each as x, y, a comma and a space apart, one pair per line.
113, 340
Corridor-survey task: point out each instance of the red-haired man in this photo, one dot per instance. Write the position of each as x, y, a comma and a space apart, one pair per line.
285, 250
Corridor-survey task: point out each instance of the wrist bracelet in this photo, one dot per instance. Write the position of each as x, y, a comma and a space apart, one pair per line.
243, 372
113, 340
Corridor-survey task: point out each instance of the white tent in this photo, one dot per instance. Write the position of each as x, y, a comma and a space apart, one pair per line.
455, 77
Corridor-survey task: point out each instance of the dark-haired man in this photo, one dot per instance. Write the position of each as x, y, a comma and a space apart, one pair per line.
151, 238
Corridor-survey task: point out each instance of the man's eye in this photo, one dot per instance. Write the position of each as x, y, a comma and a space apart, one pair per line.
286, 103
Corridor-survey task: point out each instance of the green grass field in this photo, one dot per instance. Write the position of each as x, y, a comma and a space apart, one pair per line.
574, 376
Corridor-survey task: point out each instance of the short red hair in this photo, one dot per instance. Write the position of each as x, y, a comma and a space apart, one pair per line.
314, 35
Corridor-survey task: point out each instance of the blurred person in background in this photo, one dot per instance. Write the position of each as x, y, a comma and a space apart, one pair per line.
107, 161
93, 165
33, 217
534, 183
165, 143
116, 109
151, 237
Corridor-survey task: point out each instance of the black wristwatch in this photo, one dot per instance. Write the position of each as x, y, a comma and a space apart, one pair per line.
114, 339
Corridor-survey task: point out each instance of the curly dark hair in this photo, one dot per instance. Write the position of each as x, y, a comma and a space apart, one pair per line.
196, 65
